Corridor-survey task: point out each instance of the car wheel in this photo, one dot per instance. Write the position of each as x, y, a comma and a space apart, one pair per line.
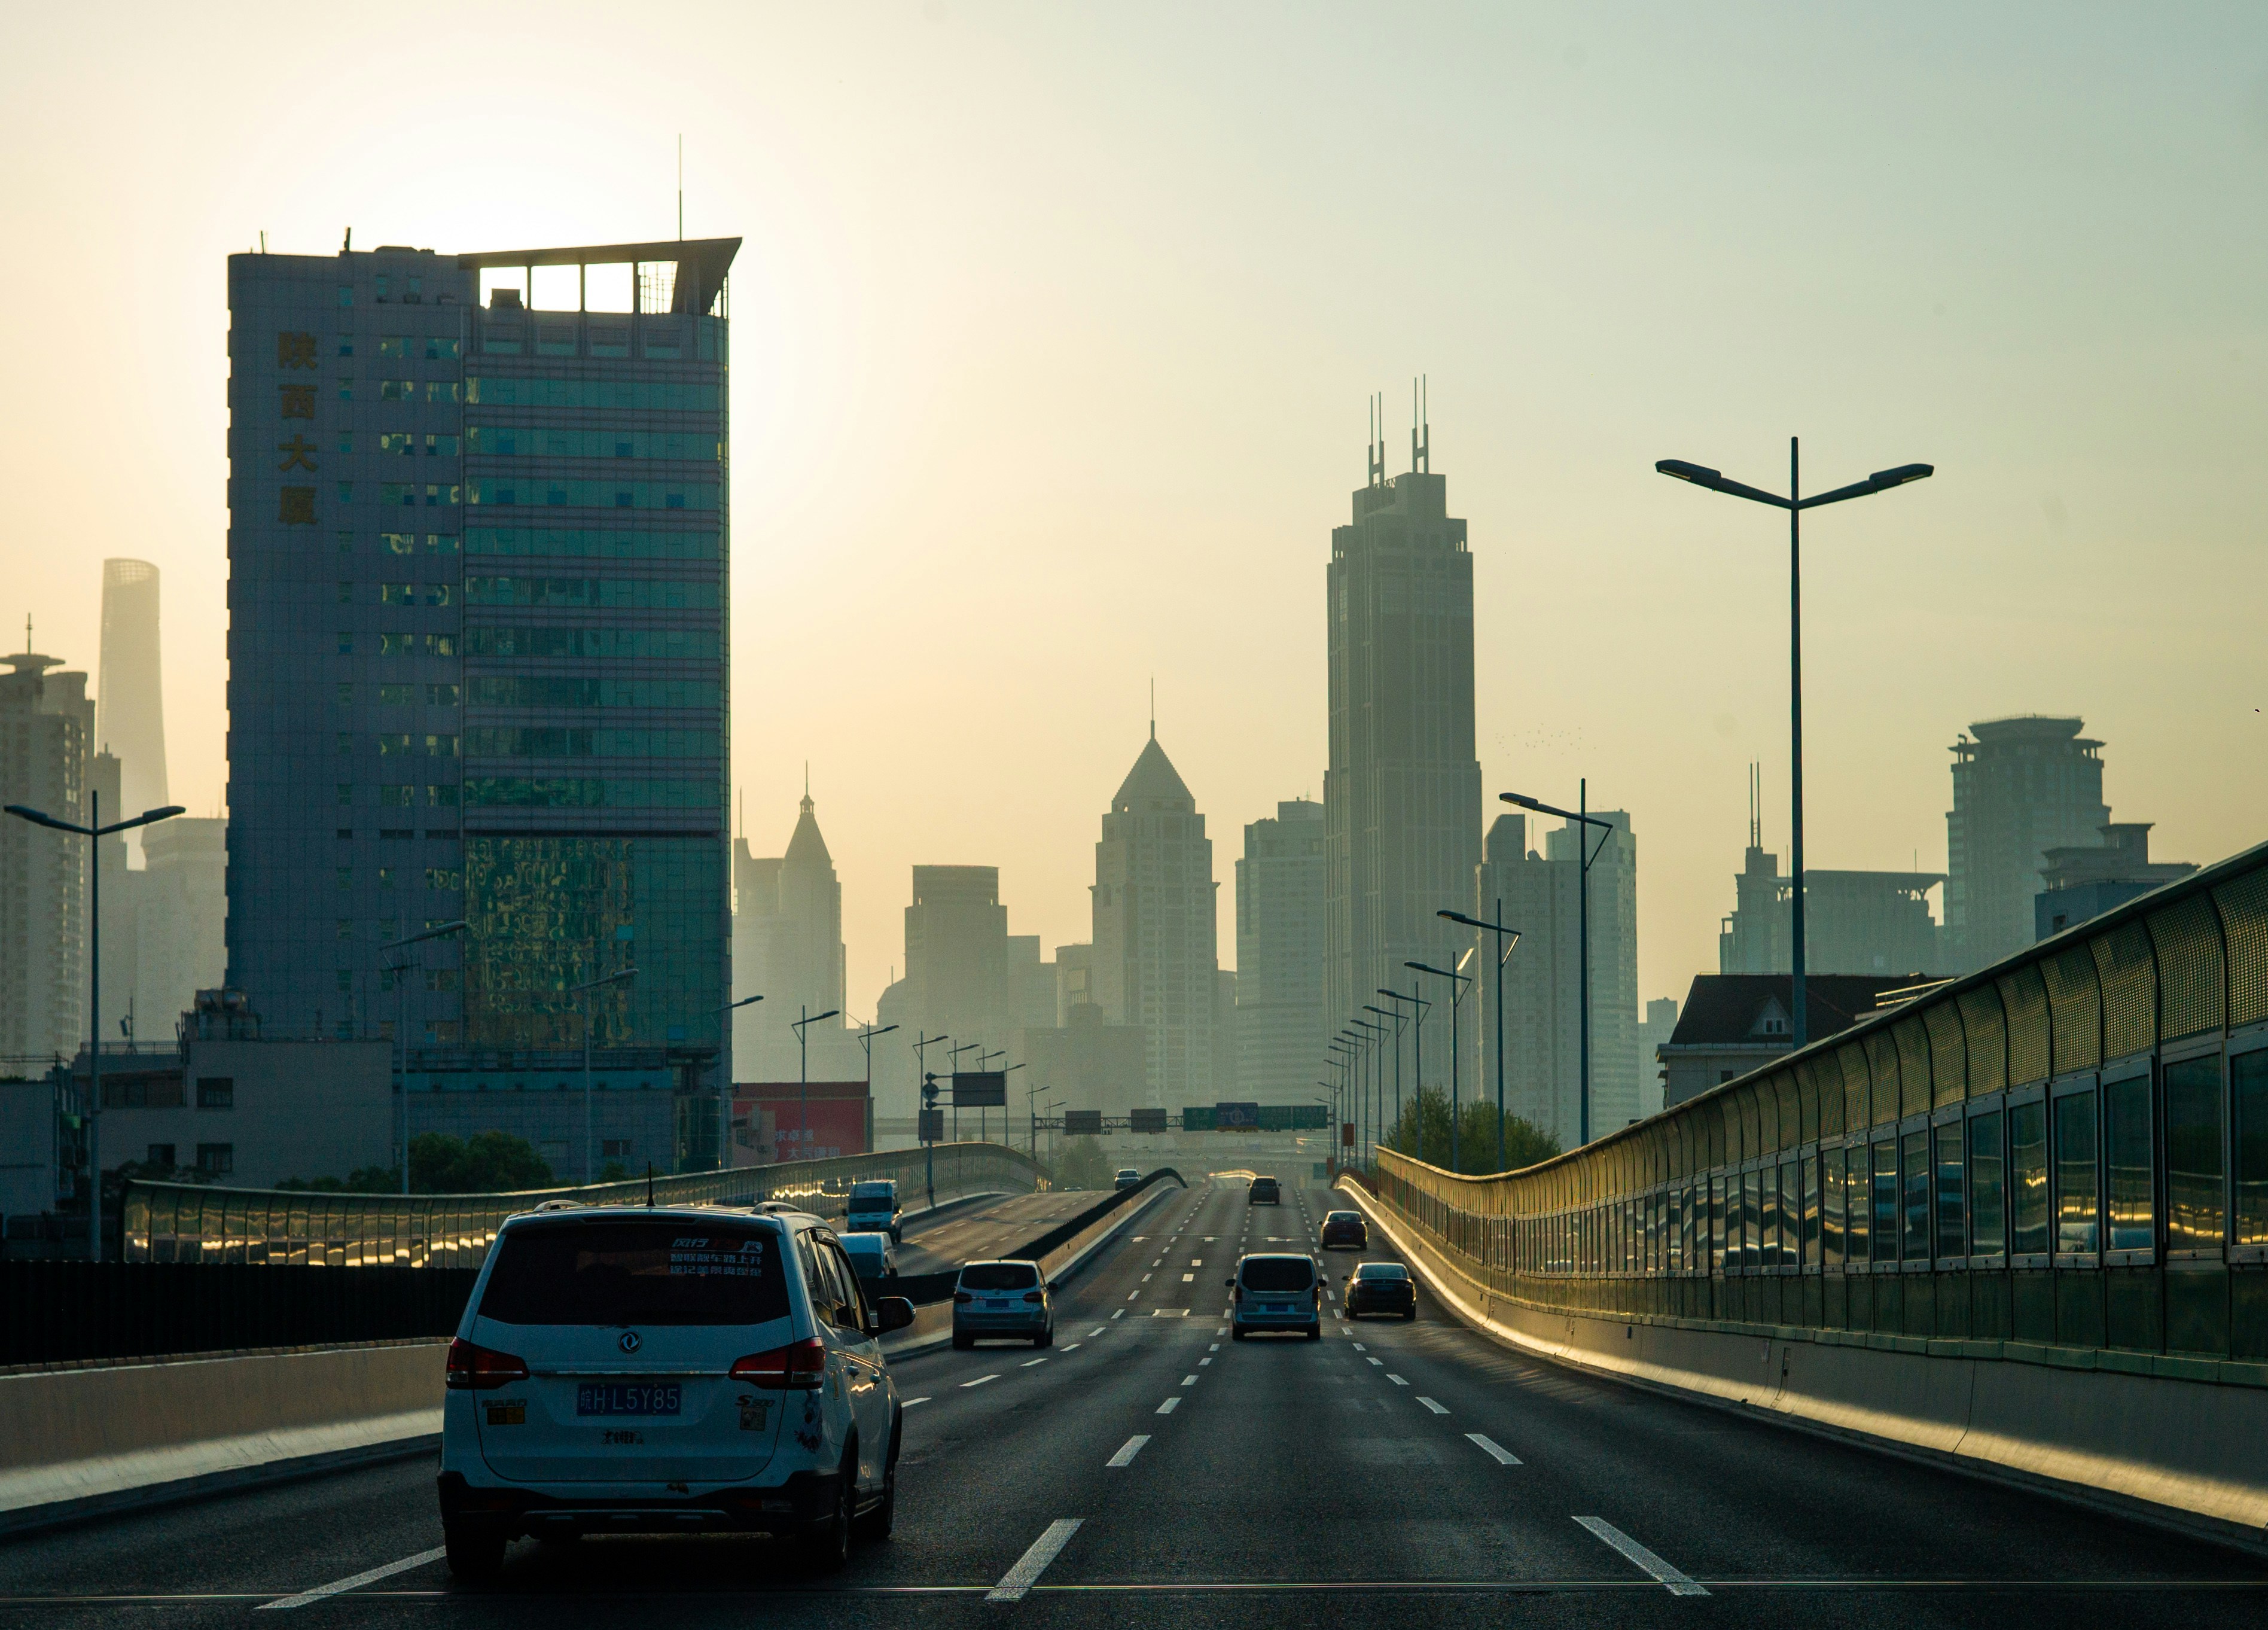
878, 1522
1409, 1316
475, 1554
830, 1540
1315, 1332
1045, 1339
1236, 1333
961, 1343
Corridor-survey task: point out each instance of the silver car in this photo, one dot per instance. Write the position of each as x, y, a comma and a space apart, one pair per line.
1004, 1298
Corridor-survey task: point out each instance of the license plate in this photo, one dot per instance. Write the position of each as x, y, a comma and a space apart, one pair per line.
999, 1305
616, 1398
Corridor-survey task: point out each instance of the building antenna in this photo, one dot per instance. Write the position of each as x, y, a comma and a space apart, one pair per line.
681, 186
744, 814
348, 246
1153, 707
1425, 421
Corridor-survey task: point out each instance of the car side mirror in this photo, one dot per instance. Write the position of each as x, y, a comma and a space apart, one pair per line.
1228, 1281
891, 1313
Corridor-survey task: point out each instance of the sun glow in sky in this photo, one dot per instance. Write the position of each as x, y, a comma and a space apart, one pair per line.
1052, 334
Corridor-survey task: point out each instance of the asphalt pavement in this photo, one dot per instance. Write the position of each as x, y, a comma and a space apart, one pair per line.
1147, 1465
987, 1227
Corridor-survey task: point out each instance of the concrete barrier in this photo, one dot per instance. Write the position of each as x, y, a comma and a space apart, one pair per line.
75, 1442
2169, 1448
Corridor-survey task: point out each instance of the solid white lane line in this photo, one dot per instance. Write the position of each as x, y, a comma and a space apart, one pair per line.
1028, 1362
1170, 1406
1438, 1409
356, 1581
1496, 1451
1033, 1562
981, 1380
1395, 1379
1189, 1380
1680, 1584
1127, 1450
910, 1402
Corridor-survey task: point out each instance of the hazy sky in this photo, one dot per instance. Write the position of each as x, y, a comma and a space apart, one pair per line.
1052, 334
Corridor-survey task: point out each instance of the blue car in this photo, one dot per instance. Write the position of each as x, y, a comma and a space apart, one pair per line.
1277, 1291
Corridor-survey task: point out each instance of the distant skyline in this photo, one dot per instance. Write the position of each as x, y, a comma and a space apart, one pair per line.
1028, 433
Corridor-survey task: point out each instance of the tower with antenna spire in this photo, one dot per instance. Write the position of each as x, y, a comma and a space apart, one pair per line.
1402, 794
787, 945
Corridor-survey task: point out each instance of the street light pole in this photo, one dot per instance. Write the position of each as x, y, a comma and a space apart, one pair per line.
725, 1086
1457, 980
867, 1035
1376, 1031
803, 1066
1586, 853
1395, 1016
1419, 1005
1506, 939
94, 831
1796, 504
402, 1023
583, 990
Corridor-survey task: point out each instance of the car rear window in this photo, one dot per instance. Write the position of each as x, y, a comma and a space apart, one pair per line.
1342, 1216
658, 1272
1381, 1271
1278, 1273
1000, 1276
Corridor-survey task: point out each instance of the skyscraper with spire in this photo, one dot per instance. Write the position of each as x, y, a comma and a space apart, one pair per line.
787, 945
1402, 796
1155, 959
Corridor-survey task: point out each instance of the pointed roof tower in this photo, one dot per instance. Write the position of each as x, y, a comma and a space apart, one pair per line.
805, 846
1154, 779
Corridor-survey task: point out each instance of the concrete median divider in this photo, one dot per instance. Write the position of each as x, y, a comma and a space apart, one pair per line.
81, 1441
2168, 1448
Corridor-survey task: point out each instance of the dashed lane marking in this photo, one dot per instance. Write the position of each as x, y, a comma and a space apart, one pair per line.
1680, 1584
1437, 1408
1169, 1407
1074, 1346
1127, 1450
1371, 1358
1189, 1380
981, 1380
910, 1402
1395, 1379
1206, 1360
1187, 1279
1028, 1362
1495, 1450
356, 1581
1033, 1562
1099, 1329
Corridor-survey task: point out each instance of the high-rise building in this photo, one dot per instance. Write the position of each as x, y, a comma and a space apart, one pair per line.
1653, 1030
1539, 894
957, 958
47, 726
1156, 949
1281, 884
787, 947
2020, 787
1402, 797
180, 921
478, 553
129, 707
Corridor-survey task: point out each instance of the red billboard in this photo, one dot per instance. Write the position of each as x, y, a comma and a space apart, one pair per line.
775, 1121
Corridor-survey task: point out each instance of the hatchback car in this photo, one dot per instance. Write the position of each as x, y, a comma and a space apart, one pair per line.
671, 1370
1277, 1291
1002, 1299
1264, 1191
1381, 1287
1347, 1228
1129, 1178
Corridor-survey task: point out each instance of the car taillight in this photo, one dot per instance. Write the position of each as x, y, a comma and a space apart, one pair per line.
799, 1364
1033, 1295
962, 1296
478, 1368
1239, 1293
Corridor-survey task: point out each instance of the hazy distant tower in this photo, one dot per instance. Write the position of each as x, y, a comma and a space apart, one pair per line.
1279, 954
1156, 957
129, 707
1401, 798
2020, 787
787, 945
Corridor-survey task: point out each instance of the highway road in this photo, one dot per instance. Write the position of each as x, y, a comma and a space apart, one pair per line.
986, 1227
1405, 1473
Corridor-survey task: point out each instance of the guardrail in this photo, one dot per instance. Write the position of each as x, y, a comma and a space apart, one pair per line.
922, 1288
169, 1223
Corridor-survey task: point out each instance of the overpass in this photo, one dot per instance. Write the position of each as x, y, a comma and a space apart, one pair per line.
1729, 1352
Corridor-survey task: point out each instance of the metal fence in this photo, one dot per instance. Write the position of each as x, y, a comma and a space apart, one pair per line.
2068, 1149
167, 1222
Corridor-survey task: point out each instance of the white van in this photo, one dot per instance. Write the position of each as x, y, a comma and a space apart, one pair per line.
678, 1369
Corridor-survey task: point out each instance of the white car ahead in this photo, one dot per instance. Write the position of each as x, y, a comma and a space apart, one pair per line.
674, 1370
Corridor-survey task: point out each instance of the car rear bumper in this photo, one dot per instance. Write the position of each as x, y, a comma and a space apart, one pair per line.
1279, 1321
795, 1502
999, 1325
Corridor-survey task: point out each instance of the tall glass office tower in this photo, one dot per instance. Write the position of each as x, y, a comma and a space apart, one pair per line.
479, 552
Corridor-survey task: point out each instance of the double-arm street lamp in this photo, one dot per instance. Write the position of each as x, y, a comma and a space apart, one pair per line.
867, 1035
583, 990
1586, 853
93, 831
1458, 980
725, 1089
1376, 1036
1396, 1016
1794, 503
1418, 1006
400, 1020
1506, 939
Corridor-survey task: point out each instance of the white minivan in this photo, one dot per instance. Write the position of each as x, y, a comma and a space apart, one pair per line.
675, 1369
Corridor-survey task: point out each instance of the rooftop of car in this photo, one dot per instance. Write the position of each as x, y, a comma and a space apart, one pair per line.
1342, 1216
994, 1261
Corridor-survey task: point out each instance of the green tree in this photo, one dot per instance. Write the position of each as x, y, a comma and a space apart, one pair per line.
1423, 1133
488, 1162
1081, 1165
362, 1180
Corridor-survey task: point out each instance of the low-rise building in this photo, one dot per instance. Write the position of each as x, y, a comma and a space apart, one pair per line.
2083, 881
1733, 1024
